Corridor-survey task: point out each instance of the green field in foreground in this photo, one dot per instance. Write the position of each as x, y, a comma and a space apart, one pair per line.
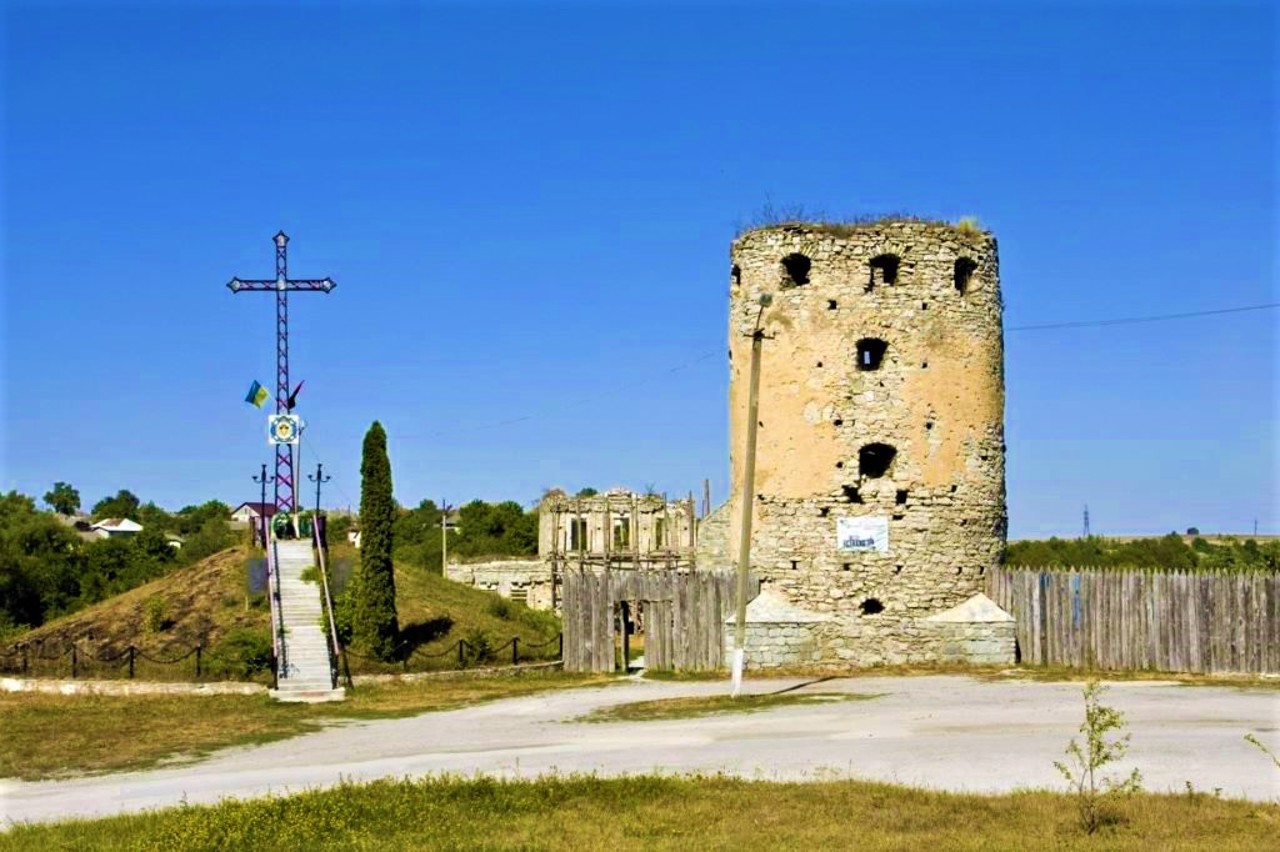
47, 736
582, 813
709, 705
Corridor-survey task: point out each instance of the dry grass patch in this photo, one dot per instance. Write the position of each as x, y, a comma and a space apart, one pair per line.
651, 813
49, 736
709, 705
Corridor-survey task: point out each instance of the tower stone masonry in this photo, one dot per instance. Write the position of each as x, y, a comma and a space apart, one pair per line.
880, 484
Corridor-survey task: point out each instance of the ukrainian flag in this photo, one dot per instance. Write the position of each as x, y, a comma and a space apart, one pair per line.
257, 395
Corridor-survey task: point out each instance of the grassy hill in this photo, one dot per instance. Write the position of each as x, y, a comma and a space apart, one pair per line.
208, 603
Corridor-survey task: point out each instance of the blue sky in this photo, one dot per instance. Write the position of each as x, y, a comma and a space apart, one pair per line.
528, 209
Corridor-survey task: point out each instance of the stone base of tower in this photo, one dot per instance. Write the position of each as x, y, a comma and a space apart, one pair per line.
781, 634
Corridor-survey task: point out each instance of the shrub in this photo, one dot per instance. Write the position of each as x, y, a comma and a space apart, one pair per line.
241, 654
156, 614
500, 607
480, 647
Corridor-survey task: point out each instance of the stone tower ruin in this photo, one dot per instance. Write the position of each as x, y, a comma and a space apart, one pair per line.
880, 485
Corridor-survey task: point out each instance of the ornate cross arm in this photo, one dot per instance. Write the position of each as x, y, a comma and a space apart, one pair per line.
263, 285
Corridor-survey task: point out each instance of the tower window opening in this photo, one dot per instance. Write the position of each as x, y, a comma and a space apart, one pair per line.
735, 275
795, 563
871, 606
823, 512
831, 304
837, 422
900, 497
884, 270
871, 353
847, 566
874, 460
851, 494
964, 270
795, 270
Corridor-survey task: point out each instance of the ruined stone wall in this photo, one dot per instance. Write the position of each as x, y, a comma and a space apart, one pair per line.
616, 523
930, 293
713, 540
522, 579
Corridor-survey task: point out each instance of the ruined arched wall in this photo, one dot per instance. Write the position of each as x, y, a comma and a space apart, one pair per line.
937, 397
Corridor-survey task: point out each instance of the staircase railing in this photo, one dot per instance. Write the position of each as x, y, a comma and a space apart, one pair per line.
278, 647
335, 647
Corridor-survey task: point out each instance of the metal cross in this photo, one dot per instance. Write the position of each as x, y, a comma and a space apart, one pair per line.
281, 285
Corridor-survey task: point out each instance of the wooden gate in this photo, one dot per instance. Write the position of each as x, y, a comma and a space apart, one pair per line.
683, 612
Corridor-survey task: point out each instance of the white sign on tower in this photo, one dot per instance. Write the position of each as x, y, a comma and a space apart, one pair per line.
863, 534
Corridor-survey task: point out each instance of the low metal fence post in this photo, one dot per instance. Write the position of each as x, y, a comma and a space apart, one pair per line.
73, 661
462, 659
515, 650
25, 662
199, 650
560, 645
131, 653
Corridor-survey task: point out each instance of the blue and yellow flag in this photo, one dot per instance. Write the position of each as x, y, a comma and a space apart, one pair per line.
257, 395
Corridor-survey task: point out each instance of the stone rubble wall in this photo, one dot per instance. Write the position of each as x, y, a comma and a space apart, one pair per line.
937, 398
864, 642
713, 540
531, 576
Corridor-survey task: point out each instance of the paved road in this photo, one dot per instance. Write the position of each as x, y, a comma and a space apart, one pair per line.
946, 732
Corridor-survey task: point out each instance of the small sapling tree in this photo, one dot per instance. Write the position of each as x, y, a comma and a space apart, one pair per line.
1103, 744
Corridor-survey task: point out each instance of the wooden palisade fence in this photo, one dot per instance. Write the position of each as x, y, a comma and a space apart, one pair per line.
683, 614
1113, 619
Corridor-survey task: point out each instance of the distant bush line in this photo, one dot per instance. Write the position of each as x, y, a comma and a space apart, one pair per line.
1167, 553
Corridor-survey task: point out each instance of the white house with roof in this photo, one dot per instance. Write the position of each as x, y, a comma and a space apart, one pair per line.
116, 527
246, 512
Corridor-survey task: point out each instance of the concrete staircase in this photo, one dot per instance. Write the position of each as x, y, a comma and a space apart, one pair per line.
304, 675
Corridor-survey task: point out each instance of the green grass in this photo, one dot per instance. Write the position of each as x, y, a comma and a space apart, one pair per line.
206, 602
49, 736
651, 813
709, 705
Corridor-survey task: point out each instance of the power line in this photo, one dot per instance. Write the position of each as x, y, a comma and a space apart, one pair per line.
337, 483
711, 353
1153, 318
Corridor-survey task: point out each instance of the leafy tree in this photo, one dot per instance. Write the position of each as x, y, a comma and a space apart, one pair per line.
152, 517
189, 520
586, 492
215, 535
63, 499
374, 624
124, 505
417, 536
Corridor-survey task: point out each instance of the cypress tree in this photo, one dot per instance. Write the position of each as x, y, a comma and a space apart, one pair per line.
374, 626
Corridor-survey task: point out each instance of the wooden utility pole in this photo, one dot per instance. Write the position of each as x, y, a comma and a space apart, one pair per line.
748, 498
445, 508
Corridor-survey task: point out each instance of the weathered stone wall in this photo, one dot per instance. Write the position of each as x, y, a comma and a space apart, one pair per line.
527, 578
780, 634
713, 540
936, 397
